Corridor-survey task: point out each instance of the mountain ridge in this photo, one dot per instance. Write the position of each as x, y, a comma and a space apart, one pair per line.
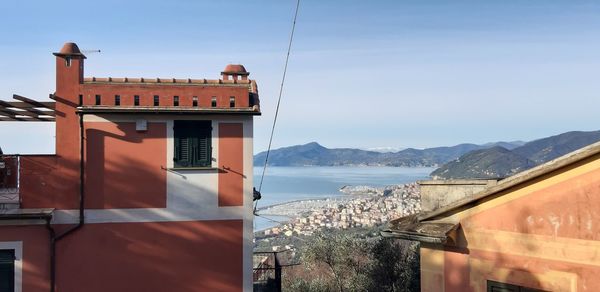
314, 154
496, 163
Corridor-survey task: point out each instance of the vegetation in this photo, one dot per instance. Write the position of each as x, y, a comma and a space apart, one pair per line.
341, 261
499, 162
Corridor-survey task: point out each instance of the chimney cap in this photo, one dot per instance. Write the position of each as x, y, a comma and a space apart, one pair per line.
69, 50
237, 69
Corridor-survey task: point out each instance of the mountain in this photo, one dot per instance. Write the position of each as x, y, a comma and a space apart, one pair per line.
313, 154
507, 145
546, 149
498, 162
495, 162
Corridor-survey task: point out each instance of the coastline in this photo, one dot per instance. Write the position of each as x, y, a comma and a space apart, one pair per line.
361, 206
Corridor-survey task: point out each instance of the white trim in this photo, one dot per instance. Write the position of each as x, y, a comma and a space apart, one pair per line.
248, 229
148, 215
17, 246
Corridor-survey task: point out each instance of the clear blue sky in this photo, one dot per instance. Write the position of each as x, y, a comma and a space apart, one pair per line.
362, 73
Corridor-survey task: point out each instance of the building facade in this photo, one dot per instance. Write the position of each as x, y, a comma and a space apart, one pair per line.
536, 231
150, 188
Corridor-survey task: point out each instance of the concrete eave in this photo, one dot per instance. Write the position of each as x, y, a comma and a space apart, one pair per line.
254, 111
412, 236
25, 214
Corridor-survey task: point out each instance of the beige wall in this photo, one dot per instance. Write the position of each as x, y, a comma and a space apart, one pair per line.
543, 234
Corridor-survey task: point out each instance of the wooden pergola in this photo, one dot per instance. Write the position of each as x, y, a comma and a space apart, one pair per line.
27, 110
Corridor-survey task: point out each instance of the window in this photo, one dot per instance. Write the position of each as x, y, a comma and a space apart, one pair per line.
7, 270
192, 144
68, 61
175, 100
117, 99
156, 100
232, 101
80, 99
136, 100
195, 101
213, 101
493, 286
98, 99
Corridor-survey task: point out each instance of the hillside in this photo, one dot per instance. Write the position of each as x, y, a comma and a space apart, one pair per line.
313, 154
498, 162
495, 162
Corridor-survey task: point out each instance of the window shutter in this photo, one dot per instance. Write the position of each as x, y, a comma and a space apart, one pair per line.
204, 150
192, 144
7, 270
493, 286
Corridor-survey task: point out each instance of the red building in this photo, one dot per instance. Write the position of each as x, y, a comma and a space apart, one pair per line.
150, 188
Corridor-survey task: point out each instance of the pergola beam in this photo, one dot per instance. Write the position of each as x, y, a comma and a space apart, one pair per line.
27, 110
35, 103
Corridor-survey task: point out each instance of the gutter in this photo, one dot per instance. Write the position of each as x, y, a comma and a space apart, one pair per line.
55, 238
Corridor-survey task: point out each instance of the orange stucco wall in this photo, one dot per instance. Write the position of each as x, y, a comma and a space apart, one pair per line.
231, 163
125, 168
41, 183
158, 256
165, 93
36, 254
544, 234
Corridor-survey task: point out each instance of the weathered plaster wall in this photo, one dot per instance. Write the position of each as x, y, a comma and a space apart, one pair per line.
543, 234
440, 193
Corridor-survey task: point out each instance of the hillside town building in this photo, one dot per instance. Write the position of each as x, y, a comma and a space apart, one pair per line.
150, 188
535, 231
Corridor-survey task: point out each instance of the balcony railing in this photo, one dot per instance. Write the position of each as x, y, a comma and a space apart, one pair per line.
9, 179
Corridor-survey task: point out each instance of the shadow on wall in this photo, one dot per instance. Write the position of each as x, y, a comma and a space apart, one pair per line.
493, 264
120, 160
124, 171
157, 256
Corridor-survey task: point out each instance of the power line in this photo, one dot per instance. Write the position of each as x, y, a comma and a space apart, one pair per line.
287, 58
272, 220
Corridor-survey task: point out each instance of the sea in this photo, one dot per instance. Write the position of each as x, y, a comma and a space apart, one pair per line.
287, 184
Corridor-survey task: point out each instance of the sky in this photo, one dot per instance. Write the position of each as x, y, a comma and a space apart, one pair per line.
362, 74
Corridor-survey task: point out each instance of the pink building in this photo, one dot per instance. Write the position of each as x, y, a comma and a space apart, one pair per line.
150, 188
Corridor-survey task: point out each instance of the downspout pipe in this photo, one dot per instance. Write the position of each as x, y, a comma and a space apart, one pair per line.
55, 238
52, 235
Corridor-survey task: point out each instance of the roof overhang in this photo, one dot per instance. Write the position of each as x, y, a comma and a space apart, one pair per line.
410, 228
26, 214
167, 110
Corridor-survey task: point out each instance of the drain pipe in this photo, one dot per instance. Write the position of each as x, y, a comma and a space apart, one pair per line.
52, 236
55, 238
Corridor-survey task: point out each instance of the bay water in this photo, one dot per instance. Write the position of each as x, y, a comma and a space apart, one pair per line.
287, 184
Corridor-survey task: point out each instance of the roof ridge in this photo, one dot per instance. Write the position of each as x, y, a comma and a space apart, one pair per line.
519, 178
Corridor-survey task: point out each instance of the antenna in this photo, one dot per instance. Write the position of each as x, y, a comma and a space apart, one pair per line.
90, 51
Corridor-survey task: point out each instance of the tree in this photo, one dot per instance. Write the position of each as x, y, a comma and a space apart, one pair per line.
395, 266
337, 261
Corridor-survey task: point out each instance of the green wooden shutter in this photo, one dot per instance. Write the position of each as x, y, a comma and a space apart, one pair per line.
192, 144
7, 270
204, 146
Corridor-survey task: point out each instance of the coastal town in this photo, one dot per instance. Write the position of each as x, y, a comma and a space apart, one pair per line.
363, 206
